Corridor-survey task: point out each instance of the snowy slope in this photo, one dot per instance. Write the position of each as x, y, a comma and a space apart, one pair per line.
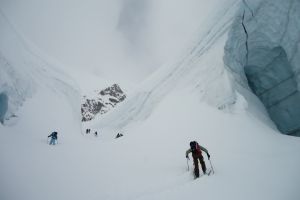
186, 70
23, 71
40, 99
218, 51
192, 98
251, 160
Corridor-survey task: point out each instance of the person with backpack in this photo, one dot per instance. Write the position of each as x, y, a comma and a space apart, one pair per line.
53, 136
119, 135
196, 151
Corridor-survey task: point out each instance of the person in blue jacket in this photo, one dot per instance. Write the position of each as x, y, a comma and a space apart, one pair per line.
53, 138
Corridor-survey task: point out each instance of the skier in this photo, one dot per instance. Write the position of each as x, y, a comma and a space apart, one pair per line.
119, 135
53, 138
196, 151
88, 131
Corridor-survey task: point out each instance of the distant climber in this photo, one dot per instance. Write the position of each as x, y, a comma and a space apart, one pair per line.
196, 151
119, 135
96, 134
88, 131
53, 136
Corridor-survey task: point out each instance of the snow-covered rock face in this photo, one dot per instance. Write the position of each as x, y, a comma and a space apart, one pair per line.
102, 102
263, 51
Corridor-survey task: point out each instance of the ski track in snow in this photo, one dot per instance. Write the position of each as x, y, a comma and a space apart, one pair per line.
139, 106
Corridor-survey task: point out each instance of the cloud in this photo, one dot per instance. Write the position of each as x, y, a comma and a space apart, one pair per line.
125, 38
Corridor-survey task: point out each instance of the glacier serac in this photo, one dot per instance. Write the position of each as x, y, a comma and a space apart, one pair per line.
263, 50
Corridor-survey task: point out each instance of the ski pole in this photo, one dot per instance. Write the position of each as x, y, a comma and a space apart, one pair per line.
212, 167
187, 162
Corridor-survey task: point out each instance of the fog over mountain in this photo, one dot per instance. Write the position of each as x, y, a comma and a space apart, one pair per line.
119, 39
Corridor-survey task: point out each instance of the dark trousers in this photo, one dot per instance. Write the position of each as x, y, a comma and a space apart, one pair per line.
199, 157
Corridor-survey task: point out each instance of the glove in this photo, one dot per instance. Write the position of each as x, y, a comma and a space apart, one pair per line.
208, 156
187, 157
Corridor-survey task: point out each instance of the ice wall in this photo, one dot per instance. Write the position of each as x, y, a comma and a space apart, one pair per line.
263, 51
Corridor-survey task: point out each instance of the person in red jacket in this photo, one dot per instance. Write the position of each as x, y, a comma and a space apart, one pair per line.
196, 151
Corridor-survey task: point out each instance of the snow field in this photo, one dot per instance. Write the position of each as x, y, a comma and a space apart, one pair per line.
251, 160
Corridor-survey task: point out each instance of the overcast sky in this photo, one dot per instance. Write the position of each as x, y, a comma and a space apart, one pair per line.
129, 38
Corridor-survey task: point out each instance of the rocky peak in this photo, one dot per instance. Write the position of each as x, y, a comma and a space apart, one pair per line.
114, 91
101, 102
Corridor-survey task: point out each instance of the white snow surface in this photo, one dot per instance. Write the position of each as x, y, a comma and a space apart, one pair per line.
251, 160
192, 98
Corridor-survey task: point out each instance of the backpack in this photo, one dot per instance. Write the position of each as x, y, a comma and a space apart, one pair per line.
54, 135
195, 147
